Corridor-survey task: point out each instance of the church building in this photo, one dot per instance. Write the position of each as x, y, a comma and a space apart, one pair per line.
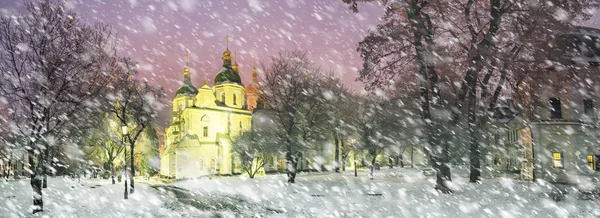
203, 122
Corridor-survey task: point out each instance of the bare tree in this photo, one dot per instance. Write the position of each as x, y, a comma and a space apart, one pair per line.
255, 148
135, 105
54, 69
375, 126
290, 91
481, 40
337, 107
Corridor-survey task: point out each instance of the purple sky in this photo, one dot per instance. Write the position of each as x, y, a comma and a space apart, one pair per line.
157, 33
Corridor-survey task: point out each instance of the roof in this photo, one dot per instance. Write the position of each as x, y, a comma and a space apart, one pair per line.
227, 75
187, 89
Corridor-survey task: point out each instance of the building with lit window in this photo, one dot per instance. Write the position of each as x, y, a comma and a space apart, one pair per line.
557, 127
204, 120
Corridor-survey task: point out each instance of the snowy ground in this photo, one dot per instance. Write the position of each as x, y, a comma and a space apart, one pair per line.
65, 197
393, 193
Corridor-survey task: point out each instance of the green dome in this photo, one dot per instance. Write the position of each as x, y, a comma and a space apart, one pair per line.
227, 75
187, 89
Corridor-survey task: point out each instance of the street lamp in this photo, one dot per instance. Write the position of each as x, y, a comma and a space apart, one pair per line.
124, 134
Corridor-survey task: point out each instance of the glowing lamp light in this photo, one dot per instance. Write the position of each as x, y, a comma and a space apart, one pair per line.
124, 128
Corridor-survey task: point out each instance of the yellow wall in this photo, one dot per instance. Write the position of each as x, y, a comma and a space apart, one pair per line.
230, 90
189, 152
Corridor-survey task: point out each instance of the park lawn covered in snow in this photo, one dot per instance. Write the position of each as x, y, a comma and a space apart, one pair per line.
65, 197
393, 193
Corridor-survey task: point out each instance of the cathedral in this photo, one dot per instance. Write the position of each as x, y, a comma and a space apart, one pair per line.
203, 122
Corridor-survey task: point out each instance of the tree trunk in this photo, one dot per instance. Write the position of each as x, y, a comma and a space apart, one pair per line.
355, 165
412, 162
112, 171
336, 141
132, 168
8, 167
344, 156
401, 160
291, 167
251, 171
472, 122
36, 183
372, 168
439, 157
45, 181
45, 166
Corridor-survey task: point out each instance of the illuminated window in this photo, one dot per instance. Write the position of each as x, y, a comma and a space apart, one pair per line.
205, 131
591, 162
557, 160
234, 99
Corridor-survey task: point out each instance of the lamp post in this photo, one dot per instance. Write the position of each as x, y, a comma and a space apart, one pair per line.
124, 134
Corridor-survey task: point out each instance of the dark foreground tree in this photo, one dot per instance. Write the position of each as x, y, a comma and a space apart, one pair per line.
483, 43
290, 90
55, 72
135, 105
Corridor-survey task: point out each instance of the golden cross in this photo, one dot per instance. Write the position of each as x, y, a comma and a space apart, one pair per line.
227, 42
187, 58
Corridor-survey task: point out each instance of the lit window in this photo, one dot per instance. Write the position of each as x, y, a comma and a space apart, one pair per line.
557, 160
205, 131
591, 162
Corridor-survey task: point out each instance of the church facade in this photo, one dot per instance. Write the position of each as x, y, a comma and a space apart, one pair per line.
203, 122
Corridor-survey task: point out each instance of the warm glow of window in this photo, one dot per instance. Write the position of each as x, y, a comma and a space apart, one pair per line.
205, 131
591, 162
557, 159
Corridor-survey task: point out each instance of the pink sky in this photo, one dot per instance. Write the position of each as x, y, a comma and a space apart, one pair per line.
157, 33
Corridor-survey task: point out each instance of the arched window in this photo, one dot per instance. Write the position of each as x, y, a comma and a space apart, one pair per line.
205, 122
234, 99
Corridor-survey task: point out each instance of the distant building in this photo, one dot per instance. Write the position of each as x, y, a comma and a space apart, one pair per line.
204, 120
557, 127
